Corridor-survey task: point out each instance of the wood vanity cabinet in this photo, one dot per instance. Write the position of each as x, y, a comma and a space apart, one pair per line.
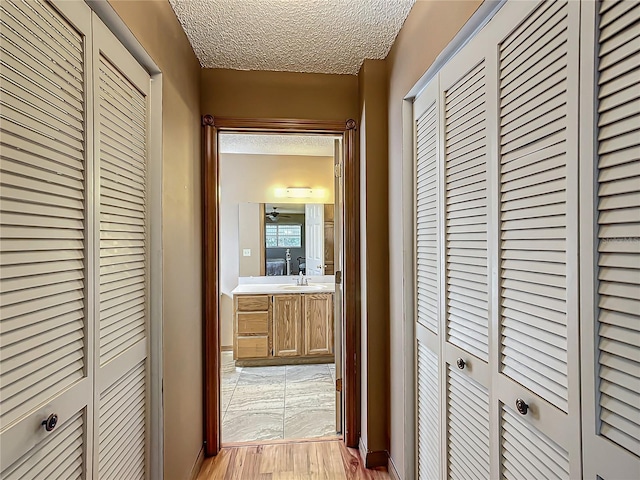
252, 326
283, 328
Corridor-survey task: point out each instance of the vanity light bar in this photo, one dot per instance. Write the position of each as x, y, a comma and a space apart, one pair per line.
300, 192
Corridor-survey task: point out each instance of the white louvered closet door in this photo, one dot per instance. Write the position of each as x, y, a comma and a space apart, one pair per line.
611, 283
45, 172
122, 260
466, 287
428, 367
538, 369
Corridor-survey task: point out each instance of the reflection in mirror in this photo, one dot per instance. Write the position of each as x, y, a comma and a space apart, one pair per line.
284, 239
291, 238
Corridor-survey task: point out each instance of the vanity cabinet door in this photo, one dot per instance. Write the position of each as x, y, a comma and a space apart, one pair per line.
318, 324
287, 325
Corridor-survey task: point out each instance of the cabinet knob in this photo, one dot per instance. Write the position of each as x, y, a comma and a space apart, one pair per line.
51, 422
461, 363
522, 406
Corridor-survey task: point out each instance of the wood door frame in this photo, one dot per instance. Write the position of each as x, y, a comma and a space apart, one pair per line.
211, 126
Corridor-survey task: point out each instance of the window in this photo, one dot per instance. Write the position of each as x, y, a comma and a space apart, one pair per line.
285, 236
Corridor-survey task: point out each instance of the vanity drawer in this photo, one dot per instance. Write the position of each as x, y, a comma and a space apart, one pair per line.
253, 303
252, 347
253, 323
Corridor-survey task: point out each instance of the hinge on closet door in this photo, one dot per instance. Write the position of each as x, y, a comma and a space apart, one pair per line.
338, 384
337, 171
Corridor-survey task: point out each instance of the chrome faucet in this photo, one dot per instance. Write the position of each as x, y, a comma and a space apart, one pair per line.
302, 280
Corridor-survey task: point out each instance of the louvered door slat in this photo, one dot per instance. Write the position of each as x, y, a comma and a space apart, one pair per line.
122, 182
467, 427
50, 52
122, 427
428, 413
465, 172
618, 219
533, 208
426, 213
528, 453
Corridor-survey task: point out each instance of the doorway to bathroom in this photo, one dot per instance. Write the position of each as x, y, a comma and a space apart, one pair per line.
283, 314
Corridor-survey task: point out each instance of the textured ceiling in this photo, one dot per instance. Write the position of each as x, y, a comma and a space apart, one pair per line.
308, 145
315, 36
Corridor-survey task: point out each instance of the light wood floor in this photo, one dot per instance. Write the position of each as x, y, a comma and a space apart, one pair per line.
323, 460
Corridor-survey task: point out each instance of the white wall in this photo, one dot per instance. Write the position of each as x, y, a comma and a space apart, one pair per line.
250, 237
254, 178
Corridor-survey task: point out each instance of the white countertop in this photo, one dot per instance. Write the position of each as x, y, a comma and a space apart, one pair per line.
282, 288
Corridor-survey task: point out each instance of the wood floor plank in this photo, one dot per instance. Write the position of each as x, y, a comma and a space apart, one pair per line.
322, 460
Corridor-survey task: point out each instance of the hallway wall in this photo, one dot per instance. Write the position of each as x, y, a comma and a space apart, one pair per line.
235, 93
430, 26
374, 261
156, 27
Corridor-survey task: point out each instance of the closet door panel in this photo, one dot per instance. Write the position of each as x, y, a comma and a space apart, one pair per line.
534, 308
428, 413
528, 453
465, 183
429, 378
45, 174
611, 282
468, 451
60, 455
537, 382
426, 177
122, 116
122, 428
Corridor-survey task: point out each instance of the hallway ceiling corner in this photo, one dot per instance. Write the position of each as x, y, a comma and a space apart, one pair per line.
310, 36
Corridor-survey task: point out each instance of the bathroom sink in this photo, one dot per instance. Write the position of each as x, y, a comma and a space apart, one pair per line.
303, 288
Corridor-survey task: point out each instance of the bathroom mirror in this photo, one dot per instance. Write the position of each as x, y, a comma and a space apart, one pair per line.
285, 239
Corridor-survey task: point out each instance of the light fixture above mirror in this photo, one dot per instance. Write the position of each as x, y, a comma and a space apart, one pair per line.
299, 192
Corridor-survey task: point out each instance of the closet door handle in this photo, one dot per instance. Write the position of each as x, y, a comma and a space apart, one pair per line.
51, 422
461, 363
522, 406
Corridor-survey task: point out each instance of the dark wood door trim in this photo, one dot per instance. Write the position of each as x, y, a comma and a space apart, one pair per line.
210, 294
351, 268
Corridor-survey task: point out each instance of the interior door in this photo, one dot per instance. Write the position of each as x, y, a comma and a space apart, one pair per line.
45, 218
429, 369
610, 271
466, 312
122, 260
537, 358
314, 238
338, 216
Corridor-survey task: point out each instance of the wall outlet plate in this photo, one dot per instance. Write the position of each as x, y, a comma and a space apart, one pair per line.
246, 252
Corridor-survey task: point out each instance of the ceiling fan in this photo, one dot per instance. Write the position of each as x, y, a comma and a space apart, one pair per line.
274, 214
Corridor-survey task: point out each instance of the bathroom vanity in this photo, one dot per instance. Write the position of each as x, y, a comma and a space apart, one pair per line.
276, 324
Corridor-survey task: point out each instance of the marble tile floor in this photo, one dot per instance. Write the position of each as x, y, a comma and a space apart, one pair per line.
281, 402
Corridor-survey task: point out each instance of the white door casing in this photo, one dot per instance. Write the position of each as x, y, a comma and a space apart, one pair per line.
338, 244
